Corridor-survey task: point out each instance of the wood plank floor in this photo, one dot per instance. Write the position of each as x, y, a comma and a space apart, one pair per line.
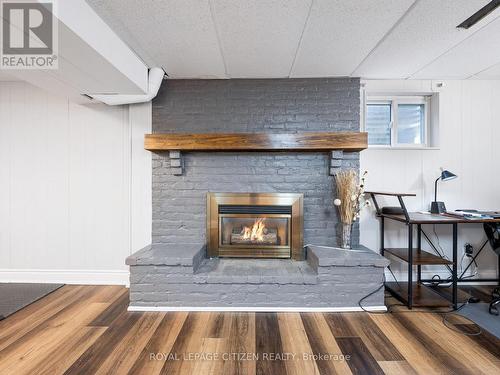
87, 330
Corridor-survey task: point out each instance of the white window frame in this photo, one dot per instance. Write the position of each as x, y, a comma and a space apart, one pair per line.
394, 101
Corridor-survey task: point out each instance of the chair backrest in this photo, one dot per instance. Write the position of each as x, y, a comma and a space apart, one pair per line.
492, 231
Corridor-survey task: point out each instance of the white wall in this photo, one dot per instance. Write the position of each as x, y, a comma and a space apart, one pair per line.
75, 187
469, 146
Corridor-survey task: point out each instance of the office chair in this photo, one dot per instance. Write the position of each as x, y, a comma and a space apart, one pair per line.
493, 233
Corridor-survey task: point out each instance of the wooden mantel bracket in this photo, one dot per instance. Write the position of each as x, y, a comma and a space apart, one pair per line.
336, 158
176, 163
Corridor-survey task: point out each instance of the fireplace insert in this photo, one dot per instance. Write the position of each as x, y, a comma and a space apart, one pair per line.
254, 225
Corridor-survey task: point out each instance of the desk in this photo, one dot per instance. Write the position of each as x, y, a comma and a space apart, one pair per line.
416, 293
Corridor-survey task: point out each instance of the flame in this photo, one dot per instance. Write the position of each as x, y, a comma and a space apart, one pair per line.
256, 232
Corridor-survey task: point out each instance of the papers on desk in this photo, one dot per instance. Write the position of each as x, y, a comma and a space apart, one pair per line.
474, 214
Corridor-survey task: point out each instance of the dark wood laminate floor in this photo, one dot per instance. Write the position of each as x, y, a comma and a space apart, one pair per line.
87, 330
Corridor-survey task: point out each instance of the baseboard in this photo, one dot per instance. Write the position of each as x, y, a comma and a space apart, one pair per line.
82, 277
254, 309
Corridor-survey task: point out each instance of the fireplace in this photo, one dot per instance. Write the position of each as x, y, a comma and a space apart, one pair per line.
255, 225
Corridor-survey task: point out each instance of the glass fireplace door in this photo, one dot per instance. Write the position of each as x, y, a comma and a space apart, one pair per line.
254, 231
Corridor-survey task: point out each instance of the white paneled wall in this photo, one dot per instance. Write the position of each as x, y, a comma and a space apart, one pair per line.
75, 187
469, 146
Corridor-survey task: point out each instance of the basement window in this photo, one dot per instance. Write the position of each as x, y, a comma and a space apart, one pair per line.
399, 121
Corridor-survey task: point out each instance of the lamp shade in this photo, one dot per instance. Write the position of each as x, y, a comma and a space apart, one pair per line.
447, 175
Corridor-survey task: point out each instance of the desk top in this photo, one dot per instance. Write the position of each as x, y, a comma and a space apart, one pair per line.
421, 218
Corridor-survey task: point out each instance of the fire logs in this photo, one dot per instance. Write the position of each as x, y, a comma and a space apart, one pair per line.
257, 234
267, 239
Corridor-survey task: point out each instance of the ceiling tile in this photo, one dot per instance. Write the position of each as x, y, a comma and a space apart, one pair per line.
339, 34
428, 30
179, 35
492, 72
473, 55
259, 38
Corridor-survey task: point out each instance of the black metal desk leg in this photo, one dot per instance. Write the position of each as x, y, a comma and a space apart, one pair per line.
419, 248
410, 266
454, 276
382, 243
498, 271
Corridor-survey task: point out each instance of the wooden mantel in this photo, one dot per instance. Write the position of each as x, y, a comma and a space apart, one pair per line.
309, 141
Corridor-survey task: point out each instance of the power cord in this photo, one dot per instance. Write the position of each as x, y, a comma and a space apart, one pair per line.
438, 250
371, 294
444, 320
441, 251
444, 313
474, 271
437, 278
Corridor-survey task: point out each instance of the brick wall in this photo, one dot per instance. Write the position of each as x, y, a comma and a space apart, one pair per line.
272, 105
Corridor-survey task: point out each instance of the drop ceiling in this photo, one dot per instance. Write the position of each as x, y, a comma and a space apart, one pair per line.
383, 39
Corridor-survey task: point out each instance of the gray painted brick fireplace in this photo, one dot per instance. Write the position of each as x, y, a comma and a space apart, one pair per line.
174, 273
270, 105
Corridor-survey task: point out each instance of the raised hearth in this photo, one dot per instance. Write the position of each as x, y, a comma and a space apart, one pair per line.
166, 278
255, 225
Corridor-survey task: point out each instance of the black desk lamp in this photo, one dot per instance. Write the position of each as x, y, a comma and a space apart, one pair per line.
439, 207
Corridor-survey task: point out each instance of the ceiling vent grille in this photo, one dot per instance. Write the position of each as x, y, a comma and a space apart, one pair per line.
479, 15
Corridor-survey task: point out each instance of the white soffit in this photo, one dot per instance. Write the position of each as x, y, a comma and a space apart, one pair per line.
339, 34
178, 35
6, 77
91, 58
426, 32
259, 38
477, 53
87, 29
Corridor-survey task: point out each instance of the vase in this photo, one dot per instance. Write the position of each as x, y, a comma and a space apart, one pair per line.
346, 236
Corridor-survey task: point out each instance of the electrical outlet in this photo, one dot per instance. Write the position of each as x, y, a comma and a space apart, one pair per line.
469, 250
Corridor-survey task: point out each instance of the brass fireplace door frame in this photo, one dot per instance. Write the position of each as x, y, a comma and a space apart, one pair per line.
295, 201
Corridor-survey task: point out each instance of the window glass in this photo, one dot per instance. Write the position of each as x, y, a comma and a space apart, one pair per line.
378, 124
411, 123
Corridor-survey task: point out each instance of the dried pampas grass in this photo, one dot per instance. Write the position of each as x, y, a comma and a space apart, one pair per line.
350, 195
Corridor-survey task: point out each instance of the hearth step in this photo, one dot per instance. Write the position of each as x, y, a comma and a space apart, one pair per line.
254, 271
172, 278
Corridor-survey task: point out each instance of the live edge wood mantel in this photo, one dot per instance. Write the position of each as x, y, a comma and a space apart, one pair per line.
323, 141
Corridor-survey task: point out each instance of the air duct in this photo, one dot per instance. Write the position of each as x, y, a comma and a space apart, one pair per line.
155, 79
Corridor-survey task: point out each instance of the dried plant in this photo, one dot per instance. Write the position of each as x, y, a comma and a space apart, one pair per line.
350, 195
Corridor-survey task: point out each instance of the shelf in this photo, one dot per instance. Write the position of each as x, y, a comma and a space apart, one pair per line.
308, 141
391, 194
419, 256
428, 218
422, 295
